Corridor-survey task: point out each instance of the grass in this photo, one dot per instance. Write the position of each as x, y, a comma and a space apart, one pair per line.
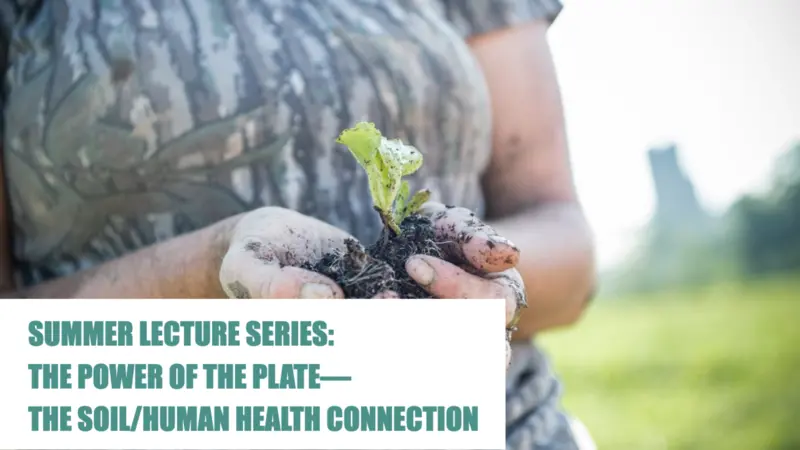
716, 368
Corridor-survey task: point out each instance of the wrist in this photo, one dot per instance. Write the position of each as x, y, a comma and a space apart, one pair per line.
218, 239
220, 236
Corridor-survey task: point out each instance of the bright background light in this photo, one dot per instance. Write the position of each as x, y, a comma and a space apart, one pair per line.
719, 77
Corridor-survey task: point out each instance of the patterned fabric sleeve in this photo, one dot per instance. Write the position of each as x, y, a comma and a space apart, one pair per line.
474, 17
534, 418
7, 18
11, 12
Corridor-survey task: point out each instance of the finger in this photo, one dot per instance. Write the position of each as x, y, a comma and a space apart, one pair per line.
445, 280
470, 239
289, 236
246, 273
387, 294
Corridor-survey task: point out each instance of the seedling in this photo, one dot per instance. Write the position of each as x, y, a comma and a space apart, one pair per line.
386, 163
364, 272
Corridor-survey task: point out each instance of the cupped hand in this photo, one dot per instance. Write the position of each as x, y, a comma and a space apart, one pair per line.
483, 262
267, 248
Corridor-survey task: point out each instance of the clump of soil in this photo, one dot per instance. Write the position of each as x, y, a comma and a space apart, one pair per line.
364, 273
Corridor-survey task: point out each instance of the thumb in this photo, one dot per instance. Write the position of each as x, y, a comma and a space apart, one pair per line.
256, 273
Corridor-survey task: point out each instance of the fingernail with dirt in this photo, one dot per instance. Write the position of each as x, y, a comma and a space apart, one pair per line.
420, 271
316, 290
500, 240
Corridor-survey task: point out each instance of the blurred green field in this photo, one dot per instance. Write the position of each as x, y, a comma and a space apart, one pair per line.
717, 368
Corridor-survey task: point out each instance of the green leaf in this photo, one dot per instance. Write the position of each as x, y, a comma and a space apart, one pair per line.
391, 171
400, 203
386, 162
379, 185
407, 157
399, 160
363, 141
416, 202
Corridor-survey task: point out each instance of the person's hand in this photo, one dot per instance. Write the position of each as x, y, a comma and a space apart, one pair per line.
485, 262
267, 248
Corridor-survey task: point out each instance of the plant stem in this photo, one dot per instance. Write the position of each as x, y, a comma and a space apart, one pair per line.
388, 221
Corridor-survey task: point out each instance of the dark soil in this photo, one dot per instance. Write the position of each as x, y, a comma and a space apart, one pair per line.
364, 273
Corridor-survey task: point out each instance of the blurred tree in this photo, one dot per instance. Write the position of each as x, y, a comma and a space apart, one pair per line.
768, 226
758, 235
680, 245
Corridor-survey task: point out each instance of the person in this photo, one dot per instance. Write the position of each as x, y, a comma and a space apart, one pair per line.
164, 149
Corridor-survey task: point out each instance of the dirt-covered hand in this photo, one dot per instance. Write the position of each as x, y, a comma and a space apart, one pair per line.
267, 248
479, 262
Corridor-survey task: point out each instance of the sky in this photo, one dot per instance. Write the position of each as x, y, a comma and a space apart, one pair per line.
720, 78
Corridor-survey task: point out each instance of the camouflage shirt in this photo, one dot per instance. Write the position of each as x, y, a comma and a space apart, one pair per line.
127, 122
